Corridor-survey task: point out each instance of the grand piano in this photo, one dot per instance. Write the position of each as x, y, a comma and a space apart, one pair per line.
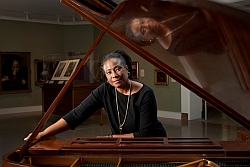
208, 53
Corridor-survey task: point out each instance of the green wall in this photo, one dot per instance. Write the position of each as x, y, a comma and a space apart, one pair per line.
78, 38
43, 39
39, 39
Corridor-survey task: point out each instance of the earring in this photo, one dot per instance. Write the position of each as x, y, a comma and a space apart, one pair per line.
148, 40
128, 73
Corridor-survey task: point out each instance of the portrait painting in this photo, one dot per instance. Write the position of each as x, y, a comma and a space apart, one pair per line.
160, 78
15, 72
134, 74
43, 71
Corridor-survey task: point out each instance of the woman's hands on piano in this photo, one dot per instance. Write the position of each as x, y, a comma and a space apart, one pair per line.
38, 137
60, 126
130, 135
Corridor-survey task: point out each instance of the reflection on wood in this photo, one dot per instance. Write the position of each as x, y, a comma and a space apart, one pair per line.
211, 74
236, 39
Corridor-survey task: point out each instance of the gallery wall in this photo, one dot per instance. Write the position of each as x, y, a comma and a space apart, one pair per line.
39, 39
44, 39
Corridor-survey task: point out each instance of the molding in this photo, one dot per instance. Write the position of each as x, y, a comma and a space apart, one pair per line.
169, 114
20, 109
44, 21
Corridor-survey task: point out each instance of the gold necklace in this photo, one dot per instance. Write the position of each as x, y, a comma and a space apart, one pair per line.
168, 33
117, 108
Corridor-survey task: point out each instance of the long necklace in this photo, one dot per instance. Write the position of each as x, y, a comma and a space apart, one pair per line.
179, 26
117, 108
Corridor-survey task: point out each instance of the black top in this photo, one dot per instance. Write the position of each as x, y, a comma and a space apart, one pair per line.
142, 112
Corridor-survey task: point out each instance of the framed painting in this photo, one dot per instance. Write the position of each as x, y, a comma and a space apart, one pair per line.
160, 78
69, 69
134, 74
43, 71
15, 72
59, 70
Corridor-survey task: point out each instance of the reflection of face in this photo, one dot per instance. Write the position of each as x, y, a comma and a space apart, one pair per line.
115, 72
145, 28
15, 63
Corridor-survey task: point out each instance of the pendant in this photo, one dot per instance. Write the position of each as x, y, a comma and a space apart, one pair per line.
120, 127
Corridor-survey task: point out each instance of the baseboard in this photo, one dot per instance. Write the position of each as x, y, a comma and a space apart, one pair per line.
163, 114
169, 114
20, 109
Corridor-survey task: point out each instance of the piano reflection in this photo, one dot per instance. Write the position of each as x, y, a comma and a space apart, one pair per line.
210, 43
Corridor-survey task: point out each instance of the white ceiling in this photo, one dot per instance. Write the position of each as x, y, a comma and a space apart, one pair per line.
39, 11
243, 5
53, 11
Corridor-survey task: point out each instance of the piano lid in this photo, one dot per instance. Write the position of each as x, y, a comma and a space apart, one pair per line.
201, 44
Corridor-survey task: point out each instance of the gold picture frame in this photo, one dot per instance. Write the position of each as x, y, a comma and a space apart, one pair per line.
160, 78
43, 71
15, 72
134, 73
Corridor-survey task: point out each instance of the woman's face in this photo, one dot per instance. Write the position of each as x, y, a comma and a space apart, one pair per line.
145, 28
116, 72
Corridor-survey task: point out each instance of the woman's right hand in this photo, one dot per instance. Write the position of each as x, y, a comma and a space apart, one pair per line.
49, 133
39, 136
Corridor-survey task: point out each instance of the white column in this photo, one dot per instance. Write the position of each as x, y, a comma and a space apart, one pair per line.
190, 104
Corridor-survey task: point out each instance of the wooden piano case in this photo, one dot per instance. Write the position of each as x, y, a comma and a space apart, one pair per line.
118, 152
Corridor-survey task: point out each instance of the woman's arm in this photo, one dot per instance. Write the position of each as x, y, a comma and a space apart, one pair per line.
58, 127
76, 116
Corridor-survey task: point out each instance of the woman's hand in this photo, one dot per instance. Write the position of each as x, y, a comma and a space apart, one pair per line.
38, 137
60, 126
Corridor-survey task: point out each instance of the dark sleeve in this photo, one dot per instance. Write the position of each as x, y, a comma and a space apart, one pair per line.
84, 110
148, 114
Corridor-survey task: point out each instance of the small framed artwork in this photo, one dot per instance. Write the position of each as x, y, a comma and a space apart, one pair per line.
160, 78
43, 71
69, 69
135, 67
59, 70
15, 72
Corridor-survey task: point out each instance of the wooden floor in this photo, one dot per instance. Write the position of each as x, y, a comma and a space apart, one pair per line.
14, 127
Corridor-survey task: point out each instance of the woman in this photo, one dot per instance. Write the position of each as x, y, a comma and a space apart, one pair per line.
179, 29
130, 106
45, 74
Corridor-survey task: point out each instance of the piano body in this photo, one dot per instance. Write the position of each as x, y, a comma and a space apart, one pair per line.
208, 54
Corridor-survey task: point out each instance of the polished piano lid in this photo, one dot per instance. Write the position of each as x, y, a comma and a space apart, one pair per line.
201, 44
